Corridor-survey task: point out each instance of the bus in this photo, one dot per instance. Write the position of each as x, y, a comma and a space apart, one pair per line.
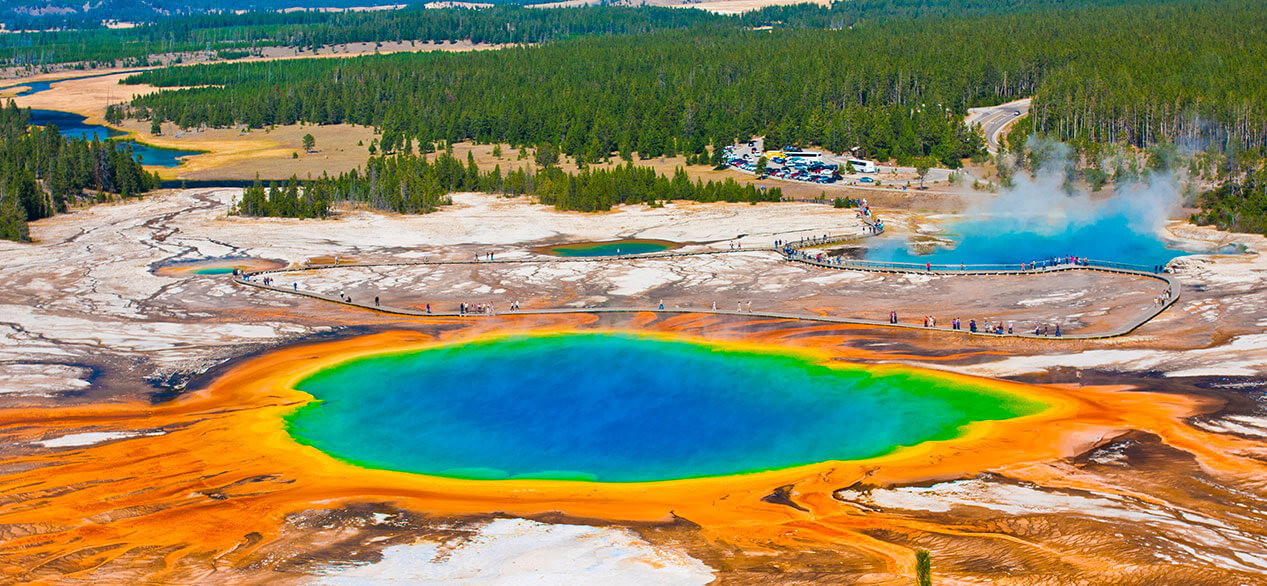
861, 166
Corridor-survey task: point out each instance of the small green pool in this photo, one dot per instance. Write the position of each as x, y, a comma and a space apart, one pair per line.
214, 271
610, 247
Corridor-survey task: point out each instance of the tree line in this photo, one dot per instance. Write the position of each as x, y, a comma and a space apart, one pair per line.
26, 15
1135, 73
231, 35
660, 94
1239, 203
42, 172
413, 184
238, 35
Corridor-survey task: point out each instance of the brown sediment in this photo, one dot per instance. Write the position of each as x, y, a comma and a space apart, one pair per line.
222, 479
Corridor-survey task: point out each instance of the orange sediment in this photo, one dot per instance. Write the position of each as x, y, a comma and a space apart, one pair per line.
224, 473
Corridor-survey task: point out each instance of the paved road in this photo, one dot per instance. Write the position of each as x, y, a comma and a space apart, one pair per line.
994, 120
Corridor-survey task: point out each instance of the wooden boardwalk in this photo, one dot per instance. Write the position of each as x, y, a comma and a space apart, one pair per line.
254, 279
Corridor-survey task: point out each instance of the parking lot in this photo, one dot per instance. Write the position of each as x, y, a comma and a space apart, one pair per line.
822, 167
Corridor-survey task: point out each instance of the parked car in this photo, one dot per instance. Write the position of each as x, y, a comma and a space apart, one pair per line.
866, 180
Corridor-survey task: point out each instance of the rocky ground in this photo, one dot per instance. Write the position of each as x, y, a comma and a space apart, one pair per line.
89, 316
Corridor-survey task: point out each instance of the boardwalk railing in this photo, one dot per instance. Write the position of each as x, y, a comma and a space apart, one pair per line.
977, 269
255, 279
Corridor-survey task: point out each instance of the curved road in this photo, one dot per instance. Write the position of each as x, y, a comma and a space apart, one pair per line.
994, 120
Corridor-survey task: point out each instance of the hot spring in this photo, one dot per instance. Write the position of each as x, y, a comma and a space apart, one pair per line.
1038, 220
609, 248
626, 408
213, 266
1014, 240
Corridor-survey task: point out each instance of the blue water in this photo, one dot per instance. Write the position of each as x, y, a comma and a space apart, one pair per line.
619, 408
1010, 240
35, 87
73, 125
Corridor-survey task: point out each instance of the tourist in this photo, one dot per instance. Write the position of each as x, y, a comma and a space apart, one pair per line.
428, 308
1009, 327
661, 304
972, 325
1057, 330
376, 301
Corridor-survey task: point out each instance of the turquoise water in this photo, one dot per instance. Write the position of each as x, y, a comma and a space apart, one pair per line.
620, 408
214, 271
1016, 240
73, 125
612, 248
